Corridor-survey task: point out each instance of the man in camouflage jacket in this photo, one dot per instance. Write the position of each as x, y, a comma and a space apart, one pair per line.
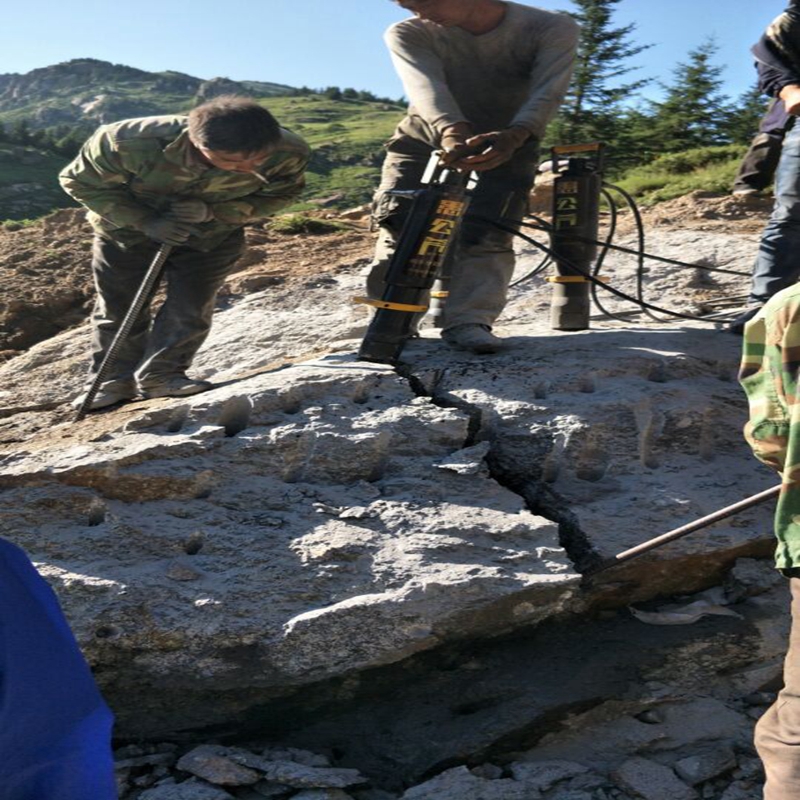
191, 182
769, 375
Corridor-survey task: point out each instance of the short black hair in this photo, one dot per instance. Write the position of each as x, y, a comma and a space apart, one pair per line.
233, 125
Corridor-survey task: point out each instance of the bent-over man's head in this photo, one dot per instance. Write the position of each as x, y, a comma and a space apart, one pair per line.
233, 133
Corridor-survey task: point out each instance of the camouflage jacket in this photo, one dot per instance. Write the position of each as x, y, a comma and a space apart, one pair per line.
769, 374
131, 171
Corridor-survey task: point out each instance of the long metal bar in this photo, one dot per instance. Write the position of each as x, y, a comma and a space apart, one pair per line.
677, 533
142, 295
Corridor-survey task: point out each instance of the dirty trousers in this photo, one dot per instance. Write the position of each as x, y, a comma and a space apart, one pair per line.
483, 262
777, 263
159, 348
55, 728
777, 735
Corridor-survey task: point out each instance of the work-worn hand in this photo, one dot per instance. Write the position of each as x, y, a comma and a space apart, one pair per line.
189, 209
494, 149
454, 143
791, 98
167, 231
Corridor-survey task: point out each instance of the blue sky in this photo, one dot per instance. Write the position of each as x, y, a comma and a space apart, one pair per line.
327, 42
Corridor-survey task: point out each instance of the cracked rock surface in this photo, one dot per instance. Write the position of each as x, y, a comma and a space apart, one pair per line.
316, 530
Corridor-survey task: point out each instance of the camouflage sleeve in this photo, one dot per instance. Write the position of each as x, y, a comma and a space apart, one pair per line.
98, 178
765, 384
282, 185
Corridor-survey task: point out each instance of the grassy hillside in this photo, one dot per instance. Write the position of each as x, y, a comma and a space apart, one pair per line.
346, 136
28, 182
710, 169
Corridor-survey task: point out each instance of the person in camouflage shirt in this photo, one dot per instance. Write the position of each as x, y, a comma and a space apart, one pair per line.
191, 182
769, 375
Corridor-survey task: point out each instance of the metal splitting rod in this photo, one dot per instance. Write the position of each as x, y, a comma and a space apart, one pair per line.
145, 289
677, 533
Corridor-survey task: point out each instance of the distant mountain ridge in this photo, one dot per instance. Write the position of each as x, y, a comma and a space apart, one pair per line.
87, 91
47, 113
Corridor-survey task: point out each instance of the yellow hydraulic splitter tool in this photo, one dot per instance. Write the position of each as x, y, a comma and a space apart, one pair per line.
429, 233
576, 212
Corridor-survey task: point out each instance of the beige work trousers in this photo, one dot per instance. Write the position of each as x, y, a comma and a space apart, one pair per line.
777, 737
483, 263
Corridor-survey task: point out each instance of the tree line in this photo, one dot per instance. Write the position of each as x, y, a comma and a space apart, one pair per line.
604, 102
62, 140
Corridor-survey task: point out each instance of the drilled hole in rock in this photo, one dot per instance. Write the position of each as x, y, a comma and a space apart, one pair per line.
97, 516
193, 544
178, 419
292, 406
235, 415
203, 494
107, 632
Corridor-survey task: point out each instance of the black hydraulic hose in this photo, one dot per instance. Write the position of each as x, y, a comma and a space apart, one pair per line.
543, 264
650, 256
641, 251
601, 258
585, 273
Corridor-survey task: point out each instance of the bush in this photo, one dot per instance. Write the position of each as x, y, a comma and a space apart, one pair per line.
709, 169
17, 224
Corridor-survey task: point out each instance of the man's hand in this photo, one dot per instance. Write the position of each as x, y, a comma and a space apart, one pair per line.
791, 98
454, 143
494, 149
168, 231
190, 210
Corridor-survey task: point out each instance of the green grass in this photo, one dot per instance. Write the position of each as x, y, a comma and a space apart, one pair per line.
29, 182
710, 169
346, 136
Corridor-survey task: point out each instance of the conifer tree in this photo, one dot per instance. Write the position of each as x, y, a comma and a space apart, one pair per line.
745, 116
594, 107
694, 112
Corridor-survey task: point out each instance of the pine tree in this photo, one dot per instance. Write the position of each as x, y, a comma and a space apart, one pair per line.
695, 112
746, 114
594, 107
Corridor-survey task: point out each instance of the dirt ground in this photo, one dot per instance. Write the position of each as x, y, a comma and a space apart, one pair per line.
46, 283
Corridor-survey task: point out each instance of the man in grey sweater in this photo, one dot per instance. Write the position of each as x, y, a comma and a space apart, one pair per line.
481, 75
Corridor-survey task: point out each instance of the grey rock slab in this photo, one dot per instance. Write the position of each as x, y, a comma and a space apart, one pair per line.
603, 740
543, 775
623, 434
460, 784
293, 773
188, 535
322, 794
651, 781
208, 763
190, 790
707, 765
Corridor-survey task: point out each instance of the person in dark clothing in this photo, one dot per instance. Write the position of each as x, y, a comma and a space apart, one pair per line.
758, 166
777, 264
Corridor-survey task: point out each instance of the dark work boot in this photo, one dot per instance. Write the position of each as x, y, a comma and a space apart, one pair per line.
736, 326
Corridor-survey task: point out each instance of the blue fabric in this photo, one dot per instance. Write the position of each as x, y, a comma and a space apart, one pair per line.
55, 728
778, 262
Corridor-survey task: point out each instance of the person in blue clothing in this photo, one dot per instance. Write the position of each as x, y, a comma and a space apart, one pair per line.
55, 728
